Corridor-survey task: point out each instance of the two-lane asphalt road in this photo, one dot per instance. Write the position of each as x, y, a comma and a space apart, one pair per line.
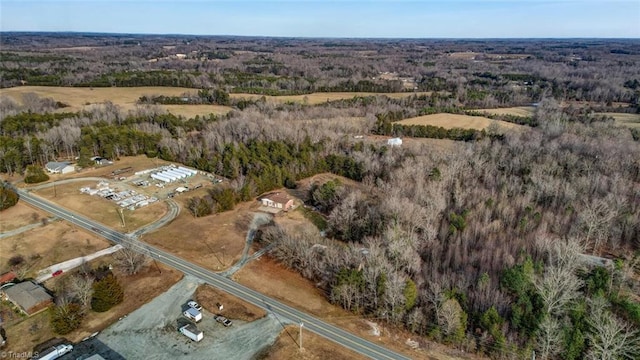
311, 323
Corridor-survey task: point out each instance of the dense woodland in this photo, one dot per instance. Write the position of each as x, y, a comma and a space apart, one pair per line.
481, 246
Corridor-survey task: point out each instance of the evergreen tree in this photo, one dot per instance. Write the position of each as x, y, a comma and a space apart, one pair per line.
107, 293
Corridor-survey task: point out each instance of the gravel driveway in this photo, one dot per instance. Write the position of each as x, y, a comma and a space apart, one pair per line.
151, 333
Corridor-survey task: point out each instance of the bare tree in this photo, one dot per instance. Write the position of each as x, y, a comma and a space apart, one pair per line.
549, 340
130, 261
449, 317
610, 337
82, 289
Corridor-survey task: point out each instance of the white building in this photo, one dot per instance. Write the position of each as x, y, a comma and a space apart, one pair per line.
394, 142
55, 167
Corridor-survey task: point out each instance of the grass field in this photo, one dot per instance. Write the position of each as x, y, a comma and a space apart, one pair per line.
318, 98
48, 244
516, 111
449, 121
630, 120
124, 97
20, 215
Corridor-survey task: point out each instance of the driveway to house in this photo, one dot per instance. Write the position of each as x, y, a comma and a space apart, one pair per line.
46, 274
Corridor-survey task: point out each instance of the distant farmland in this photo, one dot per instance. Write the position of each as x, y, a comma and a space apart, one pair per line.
125, 97
515, 111
630, 120
449, 121
321, 97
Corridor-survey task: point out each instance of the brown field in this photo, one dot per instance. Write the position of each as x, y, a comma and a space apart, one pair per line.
49, 244
630, 120
449, 121
516, 111
315, 347
234, 308
102, 210
214, 241
136, 163
20, 215
138, 290
469, 55
319, 98
125, 97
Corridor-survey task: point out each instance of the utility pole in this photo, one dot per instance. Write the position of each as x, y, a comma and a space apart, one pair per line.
301, 325
55, 193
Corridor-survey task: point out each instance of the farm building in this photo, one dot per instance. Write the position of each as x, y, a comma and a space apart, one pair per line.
394, 142
171, 174
55, 167
277, 200
28, 296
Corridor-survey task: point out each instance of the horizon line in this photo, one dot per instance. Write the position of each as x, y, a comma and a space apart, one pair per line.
315, 37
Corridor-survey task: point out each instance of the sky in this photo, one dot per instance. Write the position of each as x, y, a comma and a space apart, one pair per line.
331, 18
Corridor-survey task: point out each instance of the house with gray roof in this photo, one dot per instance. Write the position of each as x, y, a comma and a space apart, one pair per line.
28, 296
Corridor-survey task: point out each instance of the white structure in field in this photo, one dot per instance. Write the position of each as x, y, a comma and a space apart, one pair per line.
394, 142
172, 173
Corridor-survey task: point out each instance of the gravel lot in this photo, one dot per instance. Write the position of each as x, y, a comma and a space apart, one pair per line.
151, 333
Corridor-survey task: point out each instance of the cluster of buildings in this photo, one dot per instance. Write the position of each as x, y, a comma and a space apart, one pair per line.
125, 199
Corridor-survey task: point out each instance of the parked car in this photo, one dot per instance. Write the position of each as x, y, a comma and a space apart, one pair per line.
195, 305
57, 273
223, 320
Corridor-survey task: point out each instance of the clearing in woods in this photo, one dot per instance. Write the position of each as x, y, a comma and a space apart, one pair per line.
322, 97
516, 111
125, 97
630, 120
449, 121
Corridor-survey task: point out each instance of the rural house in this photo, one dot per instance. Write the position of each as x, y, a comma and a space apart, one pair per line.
28, 296
55, 167
277, 200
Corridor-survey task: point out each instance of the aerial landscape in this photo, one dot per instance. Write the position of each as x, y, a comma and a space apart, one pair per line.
319, 180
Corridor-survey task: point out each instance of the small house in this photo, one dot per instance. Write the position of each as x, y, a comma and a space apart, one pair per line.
55, 167
394, 142
277, 200
28, 296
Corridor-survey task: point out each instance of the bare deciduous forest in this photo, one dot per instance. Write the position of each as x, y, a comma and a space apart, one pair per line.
494, 246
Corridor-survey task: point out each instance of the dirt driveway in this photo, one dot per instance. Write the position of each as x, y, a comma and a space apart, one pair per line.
151, 332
